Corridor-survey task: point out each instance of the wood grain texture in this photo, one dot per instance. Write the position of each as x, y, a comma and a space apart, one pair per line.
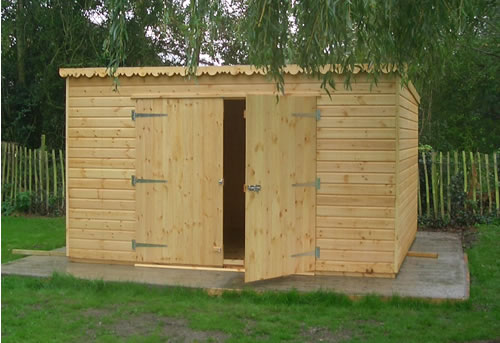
280, 151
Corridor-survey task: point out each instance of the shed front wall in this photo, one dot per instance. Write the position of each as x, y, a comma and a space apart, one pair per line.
356, 162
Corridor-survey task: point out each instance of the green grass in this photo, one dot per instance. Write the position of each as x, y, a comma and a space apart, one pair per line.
63, 308
31, 233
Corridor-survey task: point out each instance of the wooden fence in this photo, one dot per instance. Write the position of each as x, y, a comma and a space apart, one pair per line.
36, 174
439, 173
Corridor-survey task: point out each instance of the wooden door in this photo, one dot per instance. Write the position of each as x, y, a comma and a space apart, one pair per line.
281, 159
179, 221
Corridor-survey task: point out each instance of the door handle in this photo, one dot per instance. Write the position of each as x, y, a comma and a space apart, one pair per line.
254, 188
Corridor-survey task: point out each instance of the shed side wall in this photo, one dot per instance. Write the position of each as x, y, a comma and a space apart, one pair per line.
356, 149
407, 178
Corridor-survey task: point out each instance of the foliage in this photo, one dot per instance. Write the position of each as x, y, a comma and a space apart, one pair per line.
70, 309
31, 233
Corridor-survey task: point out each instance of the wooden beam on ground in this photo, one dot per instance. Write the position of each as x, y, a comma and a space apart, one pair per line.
422, 254
37, 252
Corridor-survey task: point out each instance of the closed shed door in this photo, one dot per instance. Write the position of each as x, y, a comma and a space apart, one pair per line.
178, 166
281, 161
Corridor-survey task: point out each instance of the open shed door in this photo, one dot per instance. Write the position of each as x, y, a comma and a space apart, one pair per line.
280, 186
178, 167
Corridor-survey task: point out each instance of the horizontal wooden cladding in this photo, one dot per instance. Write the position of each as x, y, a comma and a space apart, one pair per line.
339, 222
355, 267
101, 142
101, 204
354, 244
363, 212
101, 152
360, 133
407, 114
100, 173
407, 103
351, 99
356, 167
408, 124
107, 255
367, 156
352, 178
100, 183
109, 101
356, 256
104, 163
100, 123
358, 122
118, 235
355, 200
356, 189
357, 111
408, 153
102, 214
357, 144
100, 244
410, 134
356, 234
82, 112
101, 133
106, 194
408, 143
85, 223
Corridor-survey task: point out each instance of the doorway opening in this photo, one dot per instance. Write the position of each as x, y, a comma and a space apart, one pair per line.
234, 180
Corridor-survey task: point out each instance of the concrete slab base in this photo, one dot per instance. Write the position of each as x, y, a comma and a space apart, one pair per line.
443, 278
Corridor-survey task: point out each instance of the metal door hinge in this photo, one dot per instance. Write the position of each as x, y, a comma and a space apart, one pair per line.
136, 181
254, 188
221, 182
316, 184
316, 115
146, 245
314, 253
136, 115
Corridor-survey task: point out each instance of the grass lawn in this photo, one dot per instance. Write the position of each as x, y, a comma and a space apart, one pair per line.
61, 309
38, 233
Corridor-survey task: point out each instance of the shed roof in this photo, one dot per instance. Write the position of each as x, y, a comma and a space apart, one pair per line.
291, 69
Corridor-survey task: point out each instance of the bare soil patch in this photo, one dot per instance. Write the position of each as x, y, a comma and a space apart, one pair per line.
319, 334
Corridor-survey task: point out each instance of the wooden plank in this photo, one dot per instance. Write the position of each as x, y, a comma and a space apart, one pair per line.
365, 156
101, 183
355, 189
338, 222
355, 267
101, 122
101, 244
112, 101
82, 193
358, 122
408, 114
107, 255
408, 124
101, 153
101, 133
82, 112
358, 234
357, 111
351, 178
280, 151
118, 224
352, 133
356, 167
407, 144
103, 163
422, 254
356, 256
109, 235
101, 143
102, 214
102, 204
408, 134
404, 103
92, 173
357, 144
38, 252
355, 244
166, 266
353, 200
363, 212
365, 99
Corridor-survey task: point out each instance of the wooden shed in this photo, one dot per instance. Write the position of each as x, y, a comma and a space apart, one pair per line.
220, 172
